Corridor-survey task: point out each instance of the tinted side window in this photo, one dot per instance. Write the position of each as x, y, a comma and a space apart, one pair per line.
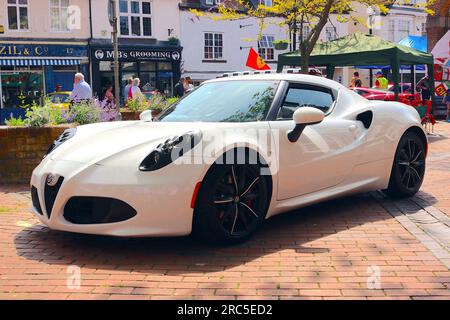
305, 96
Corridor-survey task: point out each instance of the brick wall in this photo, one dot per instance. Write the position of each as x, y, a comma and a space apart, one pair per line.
436, 28
22, 149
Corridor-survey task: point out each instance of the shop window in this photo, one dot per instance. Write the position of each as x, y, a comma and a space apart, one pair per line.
164, 66
148, 66
106, 66
135, 18
21, 88
58, 15
18, 14
213, 49
266, 48
129, 66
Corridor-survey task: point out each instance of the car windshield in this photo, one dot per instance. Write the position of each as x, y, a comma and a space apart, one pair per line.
59, 98
224, 101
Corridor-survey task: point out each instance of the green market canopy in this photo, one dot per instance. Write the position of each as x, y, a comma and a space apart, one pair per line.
361, 49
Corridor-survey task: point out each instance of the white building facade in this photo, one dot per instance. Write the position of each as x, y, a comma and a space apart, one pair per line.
213, 47
149, 32
42, 44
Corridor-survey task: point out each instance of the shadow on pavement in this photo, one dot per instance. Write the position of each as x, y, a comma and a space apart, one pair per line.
179, 256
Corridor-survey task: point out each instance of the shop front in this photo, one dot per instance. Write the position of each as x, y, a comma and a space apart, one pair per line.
30, 70
158, 67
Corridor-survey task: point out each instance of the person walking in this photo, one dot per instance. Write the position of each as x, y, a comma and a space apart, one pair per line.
136, 93
126, 90
381, 82
356, 81
187, 85
81, 89
446, 100
179, 88
424, 87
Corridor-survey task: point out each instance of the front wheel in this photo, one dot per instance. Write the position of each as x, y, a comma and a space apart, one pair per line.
232, 203
408, 169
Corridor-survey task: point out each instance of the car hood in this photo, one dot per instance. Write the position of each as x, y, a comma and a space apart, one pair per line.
96, 142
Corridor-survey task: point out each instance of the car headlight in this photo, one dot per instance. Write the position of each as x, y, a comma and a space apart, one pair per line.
170, 150
66, 135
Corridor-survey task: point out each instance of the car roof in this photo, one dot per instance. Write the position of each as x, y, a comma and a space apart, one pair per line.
60, 92
310, 79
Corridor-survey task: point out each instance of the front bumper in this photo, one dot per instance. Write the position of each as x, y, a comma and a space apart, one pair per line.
161, 198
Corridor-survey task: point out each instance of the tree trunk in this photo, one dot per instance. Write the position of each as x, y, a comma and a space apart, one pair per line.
304, 60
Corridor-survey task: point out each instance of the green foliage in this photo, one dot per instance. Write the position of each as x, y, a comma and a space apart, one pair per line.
83, 113
37, 116
159, 103
15, 122
174, 41
137, 104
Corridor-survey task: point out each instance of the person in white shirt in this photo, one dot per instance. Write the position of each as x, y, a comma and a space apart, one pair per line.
81, 89
136, 91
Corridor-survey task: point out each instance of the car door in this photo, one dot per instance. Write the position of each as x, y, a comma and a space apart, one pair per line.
324, 155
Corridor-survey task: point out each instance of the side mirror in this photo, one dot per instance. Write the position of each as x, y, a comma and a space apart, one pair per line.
303, 117
146, 115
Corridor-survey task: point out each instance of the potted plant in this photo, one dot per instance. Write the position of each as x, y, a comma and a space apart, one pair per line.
281, 44
174, 41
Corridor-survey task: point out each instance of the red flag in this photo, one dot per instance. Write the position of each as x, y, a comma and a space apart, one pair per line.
254, 61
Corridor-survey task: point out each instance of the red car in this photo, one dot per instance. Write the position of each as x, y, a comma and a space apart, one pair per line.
376, 94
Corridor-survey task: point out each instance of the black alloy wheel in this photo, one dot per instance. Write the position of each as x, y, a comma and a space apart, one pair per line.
408, 169
232, 202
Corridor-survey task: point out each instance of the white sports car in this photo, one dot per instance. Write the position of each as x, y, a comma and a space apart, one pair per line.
232, 153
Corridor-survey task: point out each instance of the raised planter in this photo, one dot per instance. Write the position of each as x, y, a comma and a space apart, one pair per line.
280, 45
128, 115
22, 149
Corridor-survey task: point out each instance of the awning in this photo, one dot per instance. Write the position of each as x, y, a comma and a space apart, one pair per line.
40, 62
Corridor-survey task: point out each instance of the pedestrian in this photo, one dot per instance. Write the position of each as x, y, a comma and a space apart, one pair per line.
126, 91
187, 85
356, 81
136, 93
446, 100
58, 88
107, 97
381, 82
81, 89
179, 88
424, 87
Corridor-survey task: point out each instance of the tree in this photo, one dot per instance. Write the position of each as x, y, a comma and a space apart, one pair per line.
303, 15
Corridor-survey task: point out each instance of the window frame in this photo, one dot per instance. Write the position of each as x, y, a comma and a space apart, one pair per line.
263, 54
59, 12
304, 85
214, 34
17, 6
267, 3
334, 34
141, 16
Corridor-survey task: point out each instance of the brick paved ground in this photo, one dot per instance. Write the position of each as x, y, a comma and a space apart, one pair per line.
328, 251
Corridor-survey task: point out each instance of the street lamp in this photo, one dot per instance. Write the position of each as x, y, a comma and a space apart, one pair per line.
112, 11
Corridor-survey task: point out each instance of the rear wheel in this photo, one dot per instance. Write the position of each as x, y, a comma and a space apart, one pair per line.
408, 169
232, 203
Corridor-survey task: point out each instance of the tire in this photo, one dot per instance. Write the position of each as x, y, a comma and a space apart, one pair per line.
231, 204
408, 169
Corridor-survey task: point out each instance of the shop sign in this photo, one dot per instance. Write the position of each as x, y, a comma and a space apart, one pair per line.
37, 50
134, 55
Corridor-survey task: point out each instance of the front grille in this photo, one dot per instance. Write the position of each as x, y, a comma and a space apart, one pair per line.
97, 210
50, 193
35, 200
